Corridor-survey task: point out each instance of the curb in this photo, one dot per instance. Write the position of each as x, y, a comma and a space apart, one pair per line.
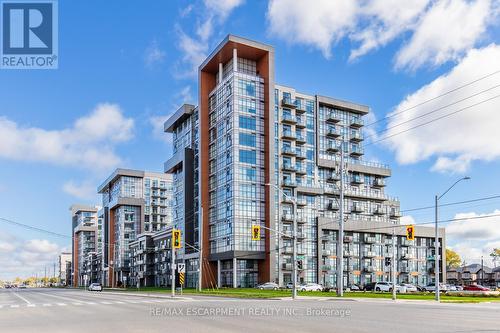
151, 295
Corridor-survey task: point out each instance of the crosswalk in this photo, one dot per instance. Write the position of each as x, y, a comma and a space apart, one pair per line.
84, 303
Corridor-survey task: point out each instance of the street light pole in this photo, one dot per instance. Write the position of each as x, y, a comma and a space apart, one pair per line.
294, 256
436, 238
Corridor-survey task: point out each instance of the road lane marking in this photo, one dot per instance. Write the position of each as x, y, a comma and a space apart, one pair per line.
106, 303
14, 306
22, 298
69, 300
47, 305
90, 303
61, 304
31, 305
77, 303
119, 302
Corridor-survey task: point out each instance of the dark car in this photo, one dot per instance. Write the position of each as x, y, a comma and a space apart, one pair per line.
475, 287
369, 286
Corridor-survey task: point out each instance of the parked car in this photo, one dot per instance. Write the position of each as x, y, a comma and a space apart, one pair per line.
22, 286
459, 288
95, 287
369, 286
311, 287
410, 288
353, 287
450, 287
432, 287
268, 286
475, 287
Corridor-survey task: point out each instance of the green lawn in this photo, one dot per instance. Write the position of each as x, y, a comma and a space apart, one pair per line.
255, 293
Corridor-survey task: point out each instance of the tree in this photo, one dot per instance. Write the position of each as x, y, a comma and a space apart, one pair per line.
495, 255
453, 260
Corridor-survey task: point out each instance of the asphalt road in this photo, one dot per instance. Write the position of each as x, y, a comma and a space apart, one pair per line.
61, 310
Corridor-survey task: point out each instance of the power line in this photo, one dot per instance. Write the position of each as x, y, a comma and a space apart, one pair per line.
433, 120
434, 98
451, 203
433, 111
34, 228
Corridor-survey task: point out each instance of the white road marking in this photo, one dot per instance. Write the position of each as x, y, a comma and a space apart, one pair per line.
77, 303
61, 304
31, 305
90, 303
145, 301
14, 306
106, 303
47, 305
119, 302
22, 298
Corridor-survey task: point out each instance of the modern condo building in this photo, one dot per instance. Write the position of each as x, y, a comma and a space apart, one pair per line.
249, 150
134, 202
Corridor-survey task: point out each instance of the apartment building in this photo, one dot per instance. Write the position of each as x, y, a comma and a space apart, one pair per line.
474, 274
252, 148
64, 258
142, 261
134, 202
84, 244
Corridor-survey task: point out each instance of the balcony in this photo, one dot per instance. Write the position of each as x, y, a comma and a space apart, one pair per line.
407, 256
289, 183
394, 213
332, 117
301, 122
300, 139
357, 179
406, 243
288, 249
332, 147
300, 106
369, 269
369, 254
288, 103
356, 151
289, 119
287, 134
378, 182
286, 199
356, 122
332, 177
332, 205
326, 268
379, 211
348, 239
331, 190
299, 169
332, 132
348, 253
301, 202
404, 269
287, 217
301, 219
288, 167
287, 266
370, 239
327, 253
357, 208
300, 154
285, 150
286, 233
356, 137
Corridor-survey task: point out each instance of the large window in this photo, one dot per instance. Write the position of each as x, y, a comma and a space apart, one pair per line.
247, 139
248, 156
247, 123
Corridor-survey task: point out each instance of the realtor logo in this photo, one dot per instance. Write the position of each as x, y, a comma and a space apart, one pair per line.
29, 34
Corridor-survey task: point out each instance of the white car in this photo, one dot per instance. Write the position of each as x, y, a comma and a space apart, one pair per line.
268, 286
432, 287
311, 287
410, 288
95, 287
387, 286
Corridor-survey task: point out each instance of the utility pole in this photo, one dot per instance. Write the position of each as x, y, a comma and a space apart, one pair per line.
482, 271
393, 265
45, 277
172, 265
340, 241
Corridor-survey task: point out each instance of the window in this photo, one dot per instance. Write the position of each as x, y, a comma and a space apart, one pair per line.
247, 123
248, 156
247, 139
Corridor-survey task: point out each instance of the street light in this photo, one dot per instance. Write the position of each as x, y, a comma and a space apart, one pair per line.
294, 202
436, 239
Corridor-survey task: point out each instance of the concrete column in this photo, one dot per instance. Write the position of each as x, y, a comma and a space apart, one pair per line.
235, 271
221, 70
219, 284
235, 60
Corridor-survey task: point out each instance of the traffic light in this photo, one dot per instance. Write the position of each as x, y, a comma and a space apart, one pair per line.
256, 232
299, 264
388, 261
410, 232
176, 238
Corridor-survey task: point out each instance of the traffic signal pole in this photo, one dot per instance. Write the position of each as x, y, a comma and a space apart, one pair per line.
172, 267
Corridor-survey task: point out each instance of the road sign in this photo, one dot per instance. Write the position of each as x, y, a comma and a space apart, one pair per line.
255, 232
176, 238
181, 278
181, 268
410, 232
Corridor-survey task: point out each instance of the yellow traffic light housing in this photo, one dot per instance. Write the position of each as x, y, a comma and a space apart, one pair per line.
410, 232
256, 232
176, 238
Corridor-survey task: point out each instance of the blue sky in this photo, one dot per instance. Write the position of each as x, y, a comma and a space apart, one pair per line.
126, 65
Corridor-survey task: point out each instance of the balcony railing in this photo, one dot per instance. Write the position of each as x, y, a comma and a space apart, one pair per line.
333, 117
288, 118
288, 102
356, 122
287, 134
332, 132
378, 182
289, 183
288, 150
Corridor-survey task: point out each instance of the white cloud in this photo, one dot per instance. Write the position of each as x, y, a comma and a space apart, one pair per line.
154, 55
194, 48
320, 23
440, 30
24, 257
473, 238
89, 143
459, 139
407, 219
85, 190
446, 32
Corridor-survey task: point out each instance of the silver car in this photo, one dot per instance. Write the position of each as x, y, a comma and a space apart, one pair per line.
268, 286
